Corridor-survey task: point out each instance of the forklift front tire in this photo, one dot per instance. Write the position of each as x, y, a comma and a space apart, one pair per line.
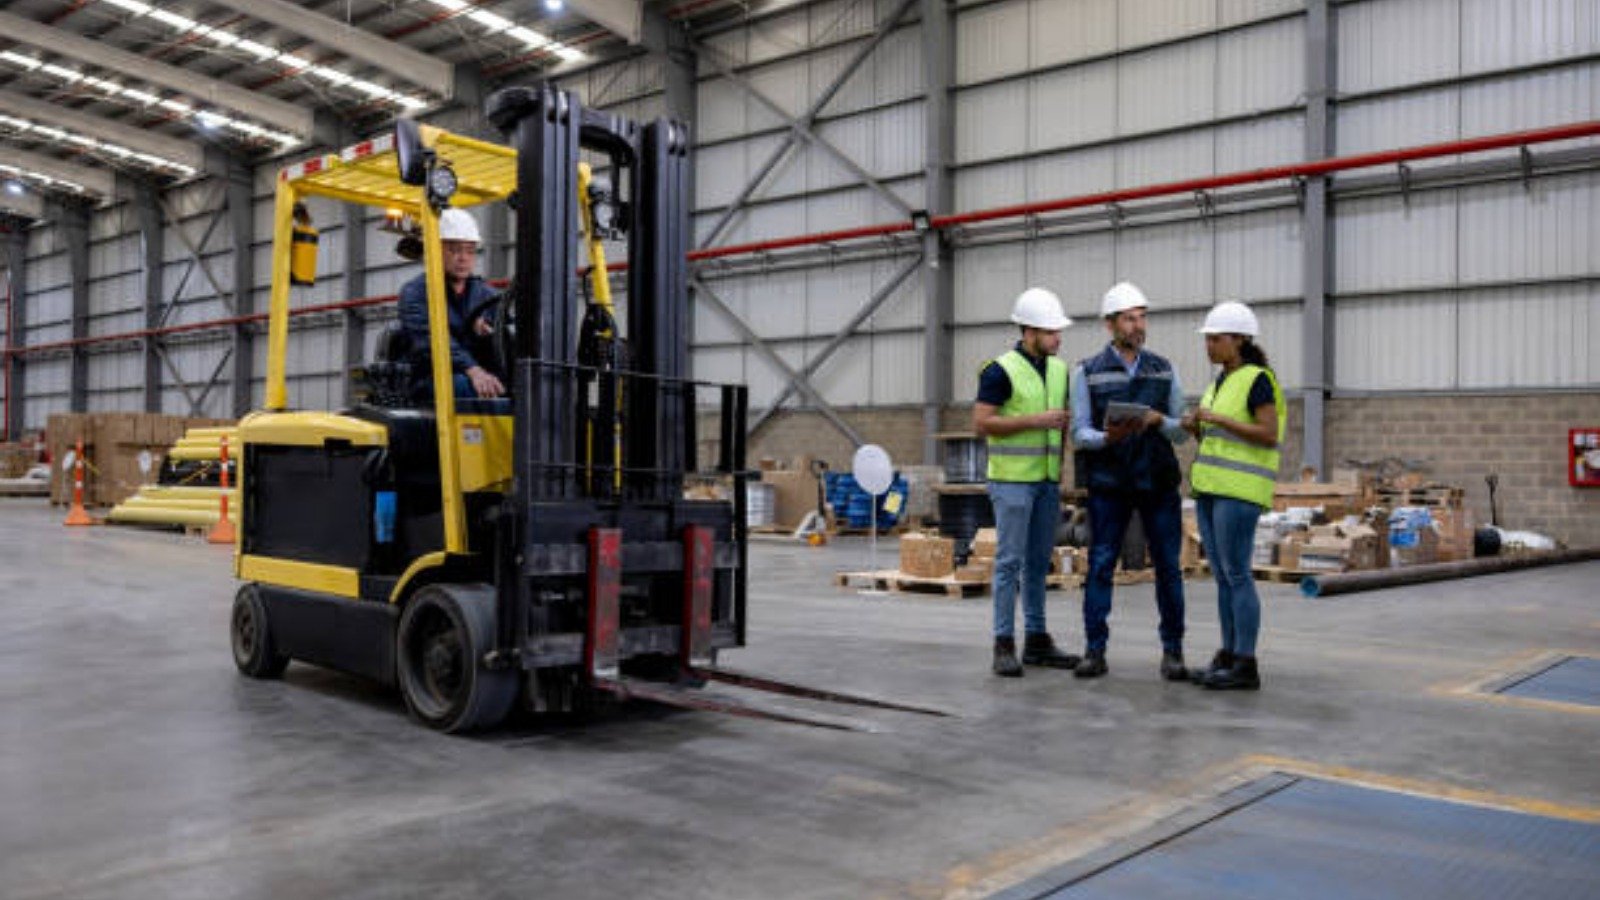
254, 651
443, 636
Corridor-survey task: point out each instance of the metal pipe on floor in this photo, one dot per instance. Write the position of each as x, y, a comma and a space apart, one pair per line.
1351, 582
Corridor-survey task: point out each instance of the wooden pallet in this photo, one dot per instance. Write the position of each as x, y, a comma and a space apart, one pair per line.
24, 487
1285, 576
1277, 574
1428, 495
899, 582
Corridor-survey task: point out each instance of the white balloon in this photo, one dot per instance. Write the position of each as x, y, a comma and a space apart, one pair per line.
872, 469
145, 461
68, 459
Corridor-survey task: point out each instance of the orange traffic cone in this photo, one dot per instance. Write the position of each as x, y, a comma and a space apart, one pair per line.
222, 532
78, 515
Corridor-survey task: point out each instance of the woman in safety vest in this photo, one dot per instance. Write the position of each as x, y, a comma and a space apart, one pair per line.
1239, 424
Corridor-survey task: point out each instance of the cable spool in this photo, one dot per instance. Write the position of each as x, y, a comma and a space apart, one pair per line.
961, 514
966, 458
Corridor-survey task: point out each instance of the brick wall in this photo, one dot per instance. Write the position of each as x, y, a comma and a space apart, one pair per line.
1522, 438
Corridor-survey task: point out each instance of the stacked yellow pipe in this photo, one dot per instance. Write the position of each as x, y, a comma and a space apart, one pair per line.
167, 516
160, 504
204, 443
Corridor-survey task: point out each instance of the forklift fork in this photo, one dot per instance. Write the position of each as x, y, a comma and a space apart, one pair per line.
600, 641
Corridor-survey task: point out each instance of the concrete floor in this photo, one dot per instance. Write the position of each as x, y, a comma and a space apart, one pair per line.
135, 761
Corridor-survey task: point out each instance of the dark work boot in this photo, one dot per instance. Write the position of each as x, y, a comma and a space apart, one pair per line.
1172, 667
1241, 676
1222, 659
1005, 658
1040, 650
1093, 665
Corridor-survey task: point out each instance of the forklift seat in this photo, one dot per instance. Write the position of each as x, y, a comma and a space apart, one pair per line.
387, 381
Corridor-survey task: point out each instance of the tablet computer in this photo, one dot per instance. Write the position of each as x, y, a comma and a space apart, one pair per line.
1118, 412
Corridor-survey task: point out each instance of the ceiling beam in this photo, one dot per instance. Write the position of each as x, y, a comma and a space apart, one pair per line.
188, 153
28, 205
427, 72
265, 110
96, 181
624, 18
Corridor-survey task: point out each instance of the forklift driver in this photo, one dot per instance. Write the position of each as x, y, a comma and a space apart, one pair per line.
464, 293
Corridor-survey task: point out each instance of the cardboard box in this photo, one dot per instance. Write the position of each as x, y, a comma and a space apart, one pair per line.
1363, 541
978, 570
927, 555
1065, 560
1413, 547
793, 495
1336, 547
1455, 527
985, 542
1289, 550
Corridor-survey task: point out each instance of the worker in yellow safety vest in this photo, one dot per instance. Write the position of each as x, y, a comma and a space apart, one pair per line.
1239, 423
1021, 410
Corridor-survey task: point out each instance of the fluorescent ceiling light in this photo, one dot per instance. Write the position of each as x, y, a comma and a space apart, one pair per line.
497, 24
27, 62
294, 62
34, 128
489, 20
260, 51
177, 22
528, 36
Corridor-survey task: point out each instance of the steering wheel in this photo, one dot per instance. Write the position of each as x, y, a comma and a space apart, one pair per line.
503, 332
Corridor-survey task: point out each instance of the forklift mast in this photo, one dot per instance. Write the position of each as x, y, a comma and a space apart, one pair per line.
608, 442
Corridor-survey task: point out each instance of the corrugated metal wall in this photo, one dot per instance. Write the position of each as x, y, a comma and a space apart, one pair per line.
1481, 286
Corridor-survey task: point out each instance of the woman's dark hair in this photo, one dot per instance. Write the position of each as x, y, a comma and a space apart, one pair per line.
1251, 353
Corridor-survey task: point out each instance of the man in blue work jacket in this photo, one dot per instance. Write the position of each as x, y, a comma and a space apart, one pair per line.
1128, 465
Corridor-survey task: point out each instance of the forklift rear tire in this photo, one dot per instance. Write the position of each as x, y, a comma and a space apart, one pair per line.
254, 650
444, 634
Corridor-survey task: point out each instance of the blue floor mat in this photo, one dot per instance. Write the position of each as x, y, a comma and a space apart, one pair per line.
1321, 839
1575, 679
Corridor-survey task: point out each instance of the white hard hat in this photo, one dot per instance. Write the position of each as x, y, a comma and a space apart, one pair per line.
458, 225
1231, 317
1039, 308
1123, 296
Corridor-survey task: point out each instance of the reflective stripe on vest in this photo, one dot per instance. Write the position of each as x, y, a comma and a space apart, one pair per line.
1035, 454
1228, 465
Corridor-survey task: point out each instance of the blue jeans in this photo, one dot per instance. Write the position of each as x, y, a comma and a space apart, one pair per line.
1025, 518
1162, 515
1228, 530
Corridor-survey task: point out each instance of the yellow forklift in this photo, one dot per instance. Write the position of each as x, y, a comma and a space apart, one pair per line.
539, 546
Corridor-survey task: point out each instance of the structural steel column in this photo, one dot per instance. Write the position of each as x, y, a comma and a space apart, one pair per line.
670, 41
73, 220
241, 225
938, 273
355, 285
1316, 231
147, 212
16, 250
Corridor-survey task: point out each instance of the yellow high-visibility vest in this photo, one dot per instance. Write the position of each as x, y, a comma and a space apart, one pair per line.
1035, 454
1228, 465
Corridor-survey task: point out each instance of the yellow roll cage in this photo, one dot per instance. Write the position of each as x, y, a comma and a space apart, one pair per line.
368, 173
